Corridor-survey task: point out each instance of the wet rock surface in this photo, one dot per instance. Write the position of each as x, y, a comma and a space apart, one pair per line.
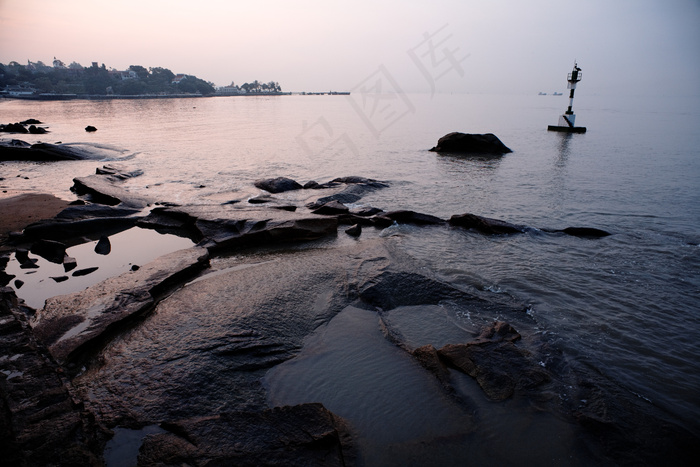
195, 362
69, 323
302, 435
40, 421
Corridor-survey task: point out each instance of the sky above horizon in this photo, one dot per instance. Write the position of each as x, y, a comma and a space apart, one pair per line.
632, 47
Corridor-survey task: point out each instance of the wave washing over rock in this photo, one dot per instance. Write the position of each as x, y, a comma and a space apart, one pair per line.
277, 339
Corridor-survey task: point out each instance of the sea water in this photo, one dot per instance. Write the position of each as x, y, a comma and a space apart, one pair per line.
625, 305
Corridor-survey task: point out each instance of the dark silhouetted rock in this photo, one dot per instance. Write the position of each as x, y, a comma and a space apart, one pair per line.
261, 199
285, 207
90, 128
50, 250
300, 435
103, 247
14, 151
411, 217
85, 272
19, 283
485, 225
354, 231
277, 185
331, 208
13, 128
471, 143
311, 184
31, 121
37, 130
366, 211
60, 278
69, 263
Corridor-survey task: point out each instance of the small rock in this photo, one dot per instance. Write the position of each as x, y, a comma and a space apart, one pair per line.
355, 230
18, 284
277, 185
84, 272
60, 278
69, 263
331, 208
103, 247
90, 128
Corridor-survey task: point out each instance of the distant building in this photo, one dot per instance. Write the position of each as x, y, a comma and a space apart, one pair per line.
19, 90
178, 78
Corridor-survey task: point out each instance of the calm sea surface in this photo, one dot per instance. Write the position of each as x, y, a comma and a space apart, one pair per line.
627, 305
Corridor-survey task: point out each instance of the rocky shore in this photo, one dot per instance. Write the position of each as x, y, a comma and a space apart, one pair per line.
183, 344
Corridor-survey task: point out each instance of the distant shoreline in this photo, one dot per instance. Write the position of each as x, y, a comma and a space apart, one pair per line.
96, 97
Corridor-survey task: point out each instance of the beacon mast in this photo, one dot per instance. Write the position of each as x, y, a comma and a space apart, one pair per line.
567, 120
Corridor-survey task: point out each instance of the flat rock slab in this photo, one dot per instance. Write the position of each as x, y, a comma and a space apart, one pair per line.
104, 190
222, 227
300, 435
70, 322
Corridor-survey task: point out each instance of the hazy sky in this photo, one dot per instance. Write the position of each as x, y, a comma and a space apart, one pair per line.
513, 46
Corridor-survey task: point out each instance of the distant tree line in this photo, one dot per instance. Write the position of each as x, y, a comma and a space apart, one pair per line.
256, 87
76, 79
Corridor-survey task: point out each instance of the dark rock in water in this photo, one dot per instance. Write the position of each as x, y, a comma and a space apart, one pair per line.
39, 422
31, 121
14, 151
498, 365
355, 230
18, 284
331, 208
22, 255
90, 128
261, 199
366, 211
277, 185
311, 184
370, 182
135, 267
117, 173
37, 130
105, 189
103, 247
85, 272
285, 207
50, 250
60, 278
30, 263
485, 225
300, 435
471, 143
69, 263
411, 217
586, 232
68, 323
13, 128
